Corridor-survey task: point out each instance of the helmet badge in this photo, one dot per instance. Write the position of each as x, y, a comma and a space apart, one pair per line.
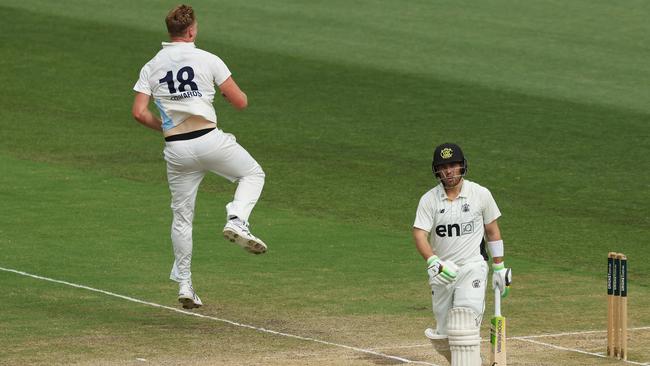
446, 153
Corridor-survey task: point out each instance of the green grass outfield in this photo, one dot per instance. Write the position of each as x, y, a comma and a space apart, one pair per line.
347, 100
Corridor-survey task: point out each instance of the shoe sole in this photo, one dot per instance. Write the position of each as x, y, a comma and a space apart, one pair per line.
188, 303
432, 335
250, 246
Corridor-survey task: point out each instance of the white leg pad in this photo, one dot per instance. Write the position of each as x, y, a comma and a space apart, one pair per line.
464, 326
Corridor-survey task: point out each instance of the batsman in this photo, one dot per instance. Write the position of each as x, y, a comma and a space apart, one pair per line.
451, 224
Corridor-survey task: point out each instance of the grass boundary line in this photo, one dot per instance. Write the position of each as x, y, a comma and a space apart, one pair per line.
234, 323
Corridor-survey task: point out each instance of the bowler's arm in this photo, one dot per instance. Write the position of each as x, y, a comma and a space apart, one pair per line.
142, 114
230, 90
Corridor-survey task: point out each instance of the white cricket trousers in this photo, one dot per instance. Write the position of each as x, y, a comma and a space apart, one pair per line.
467, 291
187, 163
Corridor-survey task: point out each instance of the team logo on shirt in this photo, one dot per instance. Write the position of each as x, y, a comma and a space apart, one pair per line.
476, 283
465, 207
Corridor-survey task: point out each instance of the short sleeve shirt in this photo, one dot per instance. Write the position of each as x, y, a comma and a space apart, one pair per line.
456, 228
181, 79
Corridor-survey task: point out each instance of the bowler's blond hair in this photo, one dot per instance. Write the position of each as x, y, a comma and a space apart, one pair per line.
179, 19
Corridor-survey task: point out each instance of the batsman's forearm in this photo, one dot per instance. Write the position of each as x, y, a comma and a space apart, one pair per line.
422, 243
425, 251
492, 231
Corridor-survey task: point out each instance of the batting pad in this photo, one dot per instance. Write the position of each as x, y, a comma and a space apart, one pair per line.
464, 337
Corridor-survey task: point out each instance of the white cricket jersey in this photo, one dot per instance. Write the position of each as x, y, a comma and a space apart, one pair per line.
181, 80
456, 228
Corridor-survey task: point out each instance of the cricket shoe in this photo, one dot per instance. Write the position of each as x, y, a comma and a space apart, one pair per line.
237, 232
433, 335
188, 297
440, 343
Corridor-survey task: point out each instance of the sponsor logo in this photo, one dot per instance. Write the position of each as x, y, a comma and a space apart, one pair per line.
455, 229
499, 335
466, 228
442, 211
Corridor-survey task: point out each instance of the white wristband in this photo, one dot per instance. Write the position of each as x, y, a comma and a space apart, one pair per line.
496, 248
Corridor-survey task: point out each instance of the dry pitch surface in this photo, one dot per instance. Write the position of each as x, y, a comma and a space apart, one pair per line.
208, 338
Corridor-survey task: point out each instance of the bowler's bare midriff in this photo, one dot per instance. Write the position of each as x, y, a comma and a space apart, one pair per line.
193, 123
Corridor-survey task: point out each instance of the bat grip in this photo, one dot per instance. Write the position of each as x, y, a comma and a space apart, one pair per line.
497, 302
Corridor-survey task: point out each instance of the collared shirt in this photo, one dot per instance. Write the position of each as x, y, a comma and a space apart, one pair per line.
181, 80
456, 228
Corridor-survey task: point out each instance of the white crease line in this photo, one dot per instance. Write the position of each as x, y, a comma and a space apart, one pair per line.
406, 346
263, 330
573, 333
531, 337
576, 350
413, 345
522, 338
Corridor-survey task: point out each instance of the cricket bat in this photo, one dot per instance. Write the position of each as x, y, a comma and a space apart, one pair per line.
498, 333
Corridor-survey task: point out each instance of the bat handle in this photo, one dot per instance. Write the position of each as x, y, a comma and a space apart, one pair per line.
497, 302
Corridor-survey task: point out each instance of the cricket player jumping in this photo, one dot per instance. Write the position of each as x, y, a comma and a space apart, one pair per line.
450, 224
181, 79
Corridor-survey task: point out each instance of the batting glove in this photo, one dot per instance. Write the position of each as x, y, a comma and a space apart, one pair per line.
444, 271
501, 278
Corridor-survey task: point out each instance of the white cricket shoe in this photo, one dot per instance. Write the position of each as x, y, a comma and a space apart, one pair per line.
237, 232
187, 296
433, 335
440, 343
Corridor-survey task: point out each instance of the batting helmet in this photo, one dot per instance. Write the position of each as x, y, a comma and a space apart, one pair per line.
448, 153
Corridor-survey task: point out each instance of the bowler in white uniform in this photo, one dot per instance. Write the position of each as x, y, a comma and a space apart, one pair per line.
181, 80
451, 222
